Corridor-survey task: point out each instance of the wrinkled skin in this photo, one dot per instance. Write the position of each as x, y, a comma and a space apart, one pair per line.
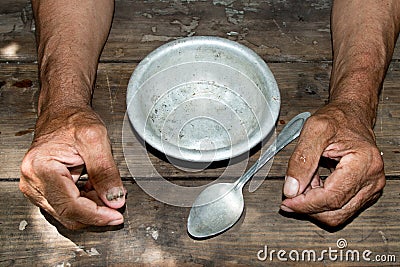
71, 35
333, 132
364, 33
69, 135
63, 143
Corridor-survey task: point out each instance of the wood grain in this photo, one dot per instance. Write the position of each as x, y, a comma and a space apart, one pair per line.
283, 31
155, 234
294, 38
303, 86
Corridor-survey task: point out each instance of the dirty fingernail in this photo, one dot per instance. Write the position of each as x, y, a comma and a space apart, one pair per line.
284, 208
291, 187
115, 194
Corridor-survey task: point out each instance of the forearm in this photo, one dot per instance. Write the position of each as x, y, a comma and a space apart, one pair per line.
364, 33
70, 37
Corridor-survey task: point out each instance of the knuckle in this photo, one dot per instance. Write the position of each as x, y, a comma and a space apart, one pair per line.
381, 183
92, 133
336, 200
62, 211
62, 208
376, 168
66, 214
376, 161
26, 166
23, 187
103, 175
318, 124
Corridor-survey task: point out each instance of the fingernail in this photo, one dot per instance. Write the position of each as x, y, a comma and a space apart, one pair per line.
291, 187
116, 222
115, 194
284, 208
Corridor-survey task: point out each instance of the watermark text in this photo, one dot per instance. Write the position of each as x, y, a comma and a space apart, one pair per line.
340, 253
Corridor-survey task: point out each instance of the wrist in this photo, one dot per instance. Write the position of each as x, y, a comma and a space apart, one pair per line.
65, 80
63, 97
65, 116
356, 110
356, 92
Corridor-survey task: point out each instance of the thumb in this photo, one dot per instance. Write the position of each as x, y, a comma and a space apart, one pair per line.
101, 168
303, 163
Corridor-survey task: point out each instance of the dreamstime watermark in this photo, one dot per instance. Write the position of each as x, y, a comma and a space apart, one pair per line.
340, 253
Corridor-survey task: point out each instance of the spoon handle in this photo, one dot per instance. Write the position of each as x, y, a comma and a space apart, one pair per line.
290, 132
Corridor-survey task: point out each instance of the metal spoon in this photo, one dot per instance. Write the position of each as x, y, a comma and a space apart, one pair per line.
219, 206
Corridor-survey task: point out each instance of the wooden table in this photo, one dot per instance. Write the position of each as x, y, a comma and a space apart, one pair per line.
293, 37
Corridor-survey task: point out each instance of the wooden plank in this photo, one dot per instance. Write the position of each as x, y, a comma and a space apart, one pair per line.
277, 30
155, 233
303, 86
17, 38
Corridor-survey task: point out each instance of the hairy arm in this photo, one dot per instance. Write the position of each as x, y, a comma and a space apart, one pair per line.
68, 133
70, 37
364, 33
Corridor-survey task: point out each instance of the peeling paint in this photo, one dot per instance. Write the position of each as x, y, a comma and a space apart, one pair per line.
22, 225
92, 252
174, 8
187, 28
157, 38
234, 16
232, 33
147, 15
322, 4
223, 3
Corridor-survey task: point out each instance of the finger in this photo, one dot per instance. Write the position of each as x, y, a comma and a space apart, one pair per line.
103, 173
340, 216
87, 212
315, 182
33, 195
61, 199
68, 156
72, 209
338, 189
92, 195
303, 163
34, 187
36, 198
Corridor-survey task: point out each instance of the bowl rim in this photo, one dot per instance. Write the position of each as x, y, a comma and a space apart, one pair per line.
220, 154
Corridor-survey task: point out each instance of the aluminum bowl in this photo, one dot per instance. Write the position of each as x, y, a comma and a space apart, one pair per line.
203, 99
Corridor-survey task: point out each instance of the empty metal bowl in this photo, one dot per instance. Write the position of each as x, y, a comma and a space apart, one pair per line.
203, 99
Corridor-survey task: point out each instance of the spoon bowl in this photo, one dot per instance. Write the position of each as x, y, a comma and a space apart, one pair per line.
219, 206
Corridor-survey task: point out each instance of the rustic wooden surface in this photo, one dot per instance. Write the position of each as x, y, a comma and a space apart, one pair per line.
292, 36
155, 233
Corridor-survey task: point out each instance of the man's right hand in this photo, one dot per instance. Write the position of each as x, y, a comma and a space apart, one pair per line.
66, 140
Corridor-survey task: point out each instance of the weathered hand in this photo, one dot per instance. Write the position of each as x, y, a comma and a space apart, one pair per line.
66, 139
337, 133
